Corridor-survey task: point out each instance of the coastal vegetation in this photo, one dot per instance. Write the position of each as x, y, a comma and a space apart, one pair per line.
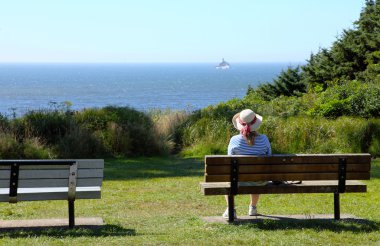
331, 104
97, 132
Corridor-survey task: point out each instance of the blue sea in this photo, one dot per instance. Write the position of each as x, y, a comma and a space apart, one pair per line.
27, 87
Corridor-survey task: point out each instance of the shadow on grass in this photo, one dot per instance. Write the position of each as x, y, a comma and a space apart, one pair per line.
64, 231
349, 224
152, 167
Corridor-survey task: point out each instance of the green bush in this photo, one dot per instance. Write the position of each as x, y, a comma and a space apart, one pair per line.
79, 143
34, 149
122, 130
9, 147
105, 132
47, 125
30, 148
351, 99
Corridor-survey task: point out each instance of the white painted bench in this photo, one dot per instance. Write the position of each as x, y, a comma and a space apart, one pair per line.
38, 180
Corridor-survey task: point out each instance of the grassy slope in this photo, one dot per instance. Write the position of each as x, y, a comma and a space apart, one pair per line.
154, 201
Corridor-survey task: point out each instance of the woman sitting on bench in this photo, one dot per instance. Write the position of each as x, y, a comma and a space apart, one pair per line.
248, 142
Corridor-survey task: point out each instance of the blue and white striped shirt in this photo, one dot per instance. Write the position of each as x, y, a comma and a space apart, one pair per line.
239, 146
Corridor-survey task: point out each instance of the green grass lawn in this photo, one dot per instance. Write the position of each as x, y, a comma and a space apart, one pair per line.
157, 201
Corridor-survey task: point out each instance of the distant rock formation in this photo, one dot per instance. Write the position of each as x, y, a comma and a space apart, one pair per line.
223, 65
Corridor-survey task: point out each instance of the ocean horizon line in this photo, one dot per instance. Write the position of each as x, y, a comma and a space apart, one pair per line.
146, 63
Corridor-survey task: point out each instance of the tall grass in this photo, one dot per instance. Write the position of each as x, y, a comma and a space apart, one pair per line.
319, 135
125, 132
290, 135
104, 132
166, 128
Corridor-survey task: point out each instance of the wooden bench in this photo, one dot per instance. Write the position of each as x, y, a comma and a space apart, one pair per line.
319, 173
39, 180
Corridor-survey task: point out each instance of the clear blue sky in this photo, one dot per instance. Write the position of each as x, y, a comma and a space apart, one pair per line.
171, 30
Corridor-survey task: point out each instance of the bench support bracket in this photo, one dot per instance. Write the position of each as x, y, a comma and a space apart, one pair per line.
71, 214
13, 184
71, 192
233, 190
231, 208
336, 206
342, 175
341, 186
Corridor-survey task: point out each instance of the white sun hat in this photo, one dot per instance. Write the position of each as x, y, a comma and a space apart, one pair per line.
247, 117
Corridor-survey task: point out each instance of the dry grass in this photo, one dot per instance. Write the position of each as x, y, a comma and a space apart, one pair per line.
165, 127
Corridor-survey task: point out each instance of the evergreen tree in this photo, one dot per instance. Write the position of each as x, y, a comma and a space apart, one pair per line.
288, 83
355, 55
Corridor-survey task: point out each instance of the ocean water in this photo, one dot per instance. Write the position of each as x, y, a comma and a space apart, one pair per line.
25, 87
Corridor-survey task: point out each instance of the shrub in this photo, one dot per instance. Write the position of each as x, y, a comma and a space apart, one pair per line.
30, 148
47, 125
167, 129
34, 149
79, 143
123, 131
350, 99
9, 147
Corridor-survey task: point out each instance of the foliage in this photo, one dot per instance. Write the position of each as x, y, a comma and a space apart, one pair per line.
48, 125
105, 132
288, 83
354, 99
352, 62
122, 130
168, 127
355, 55
289, 135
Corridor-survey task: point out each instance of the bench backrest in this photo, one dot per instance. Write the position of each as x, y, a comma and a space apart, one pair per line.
51, 173
288, 167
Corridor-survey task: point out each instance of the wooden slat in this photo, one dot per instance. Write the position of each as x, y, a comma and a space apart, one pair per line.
60, 193
90, 163
33, 164
29, 183
287, 168
305, 187
288, 176
39, 167
278, 159
40, 174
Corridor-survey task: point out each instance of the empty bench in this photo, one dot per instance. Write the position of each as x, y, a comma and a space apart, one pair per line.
39, 180
319, 173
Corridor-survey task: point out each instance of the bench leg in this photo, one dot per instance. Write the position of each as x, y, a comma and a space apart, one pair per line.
231, 208
336, 206
71, 214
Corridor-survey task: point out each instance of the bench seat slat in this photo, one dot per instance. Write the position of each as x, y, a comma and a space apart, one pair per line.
40, 174
223, 188
38, 167
29, 183
288, 176
278, 159
82, 163
288, 168
57, 193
